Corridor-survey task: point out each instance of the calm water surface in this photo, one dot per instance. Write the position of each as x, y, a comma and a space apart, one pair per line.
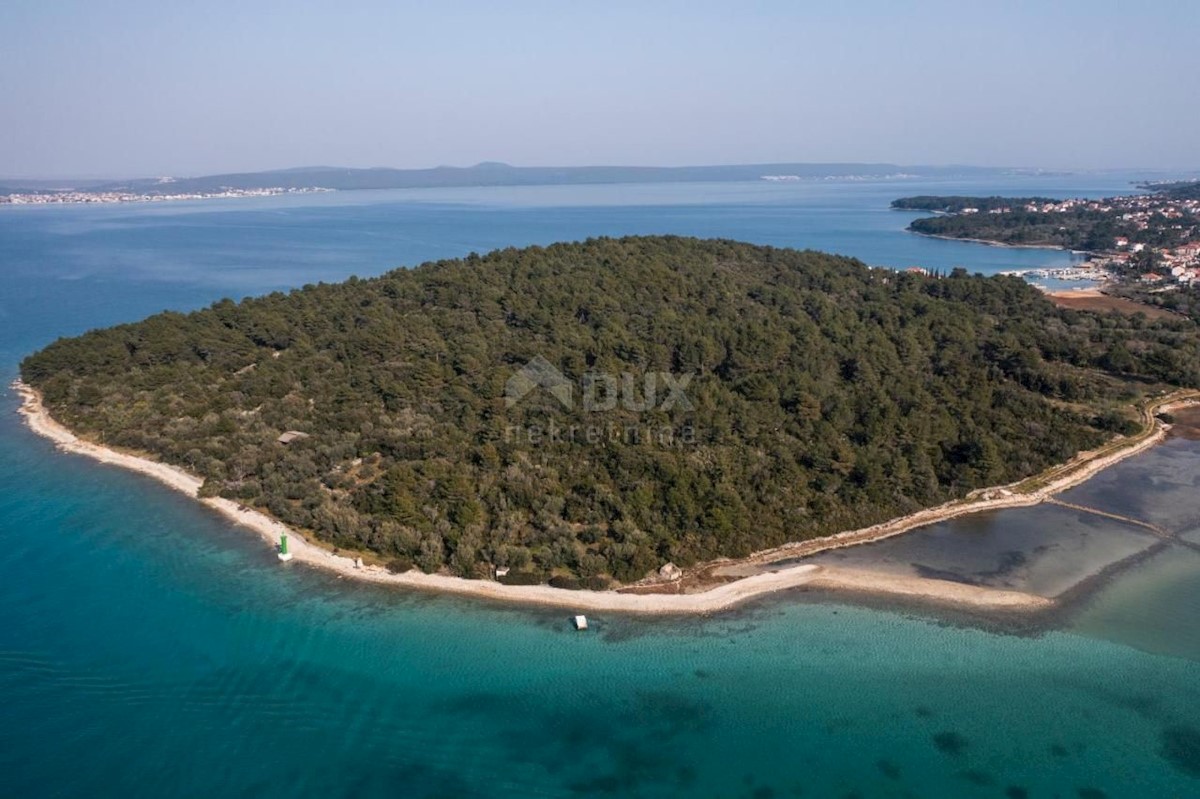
149, 648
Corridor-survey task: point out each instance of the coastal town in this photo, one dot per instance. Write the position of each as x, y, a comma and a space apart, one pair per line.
1144, 247
1174, 269
74, 196
1162, 247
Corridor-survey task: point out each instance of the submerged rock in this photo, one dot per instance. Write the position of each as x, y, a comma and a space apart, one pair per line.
1181, 748
951, 743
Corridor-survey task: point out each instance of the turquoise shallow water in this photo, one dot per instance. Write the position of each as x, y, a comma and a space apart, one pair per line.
149, 648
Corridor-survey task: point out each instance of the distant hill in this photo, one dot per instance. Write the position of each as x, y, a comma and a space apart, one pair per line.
499, 174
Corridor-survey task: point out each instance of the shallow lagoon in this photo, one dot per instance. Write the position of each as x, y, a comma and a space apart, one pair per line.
1043, 550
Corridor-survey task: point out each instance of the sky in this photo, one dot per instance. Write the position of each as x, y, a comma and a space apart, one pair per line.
125, 88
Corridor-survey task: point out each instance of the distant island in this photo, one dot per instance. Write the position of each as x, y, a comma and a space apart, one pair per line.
323, 178
1147, 245
588, 415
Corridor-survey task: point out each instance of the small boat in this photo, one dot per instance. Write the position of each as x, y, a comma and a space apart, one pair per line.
581, 622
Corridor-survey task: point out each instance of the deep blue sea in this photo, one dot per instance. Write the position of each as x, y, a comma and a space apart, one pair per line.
150, 648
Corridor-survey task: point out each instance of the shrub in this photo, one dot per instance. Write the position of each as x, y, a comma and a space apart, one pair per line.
520, 578
399, 565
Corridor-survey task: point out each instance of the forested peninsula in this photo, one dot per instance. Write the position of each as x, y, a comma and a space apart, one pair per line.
808, 394
1165, 217
1146, 245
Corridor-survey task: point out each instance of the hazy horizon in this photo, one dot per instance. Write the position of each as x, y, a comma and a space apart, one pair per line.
134, 88
1182, 172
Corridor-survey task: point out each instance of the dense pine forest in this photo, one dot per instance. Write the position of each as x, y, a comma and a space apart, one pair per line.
820, 395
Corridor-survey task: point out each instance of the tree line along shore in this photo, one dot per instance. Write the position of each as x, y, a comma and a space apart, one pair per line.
822, 396
700, 592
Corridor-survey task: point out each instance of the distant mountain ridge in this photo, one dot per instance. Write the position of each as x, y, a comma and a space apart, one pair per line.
491, 173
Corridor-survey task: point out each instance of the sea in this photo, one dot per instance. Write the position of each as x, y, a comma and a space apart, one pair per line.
148, 647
